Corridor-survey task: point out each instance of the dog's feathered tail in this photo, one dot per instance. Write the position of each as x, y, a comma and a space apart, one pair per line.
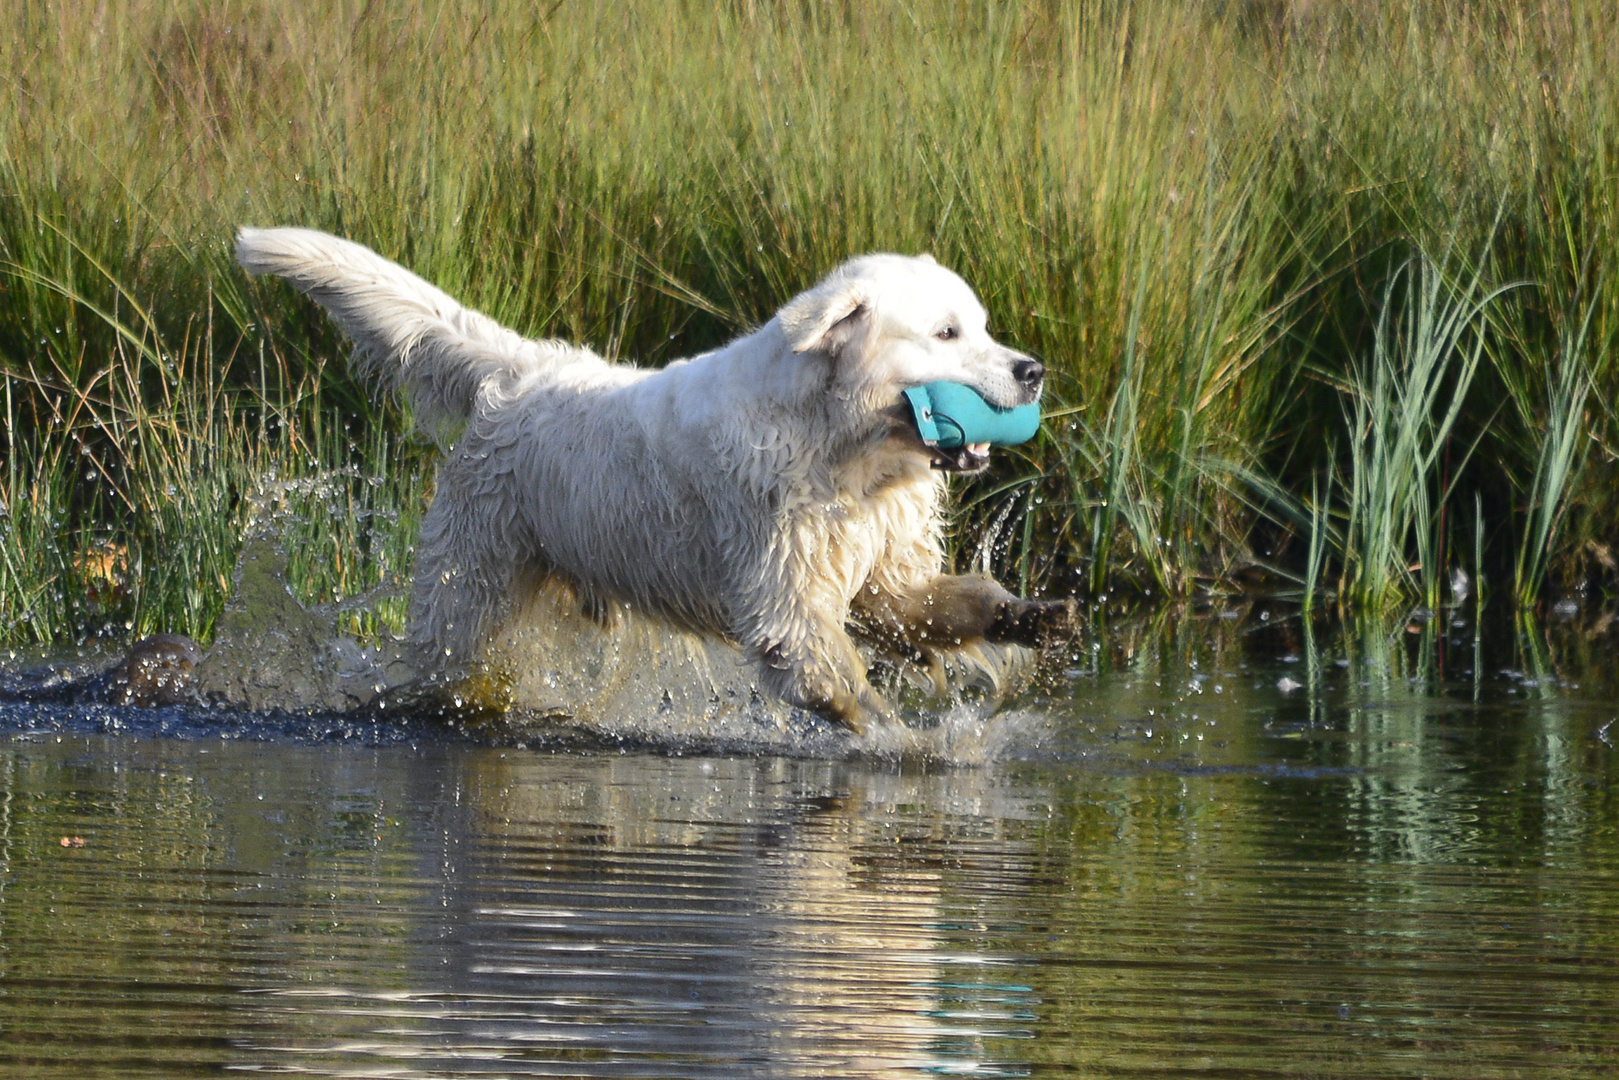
408, 336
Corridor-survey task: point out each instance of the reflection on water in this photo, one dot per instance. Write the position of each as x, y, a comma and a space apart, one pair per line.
1223, 848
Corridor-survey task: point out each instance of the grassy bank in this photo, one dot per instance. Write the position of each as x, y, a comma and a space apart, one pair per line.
1328, 291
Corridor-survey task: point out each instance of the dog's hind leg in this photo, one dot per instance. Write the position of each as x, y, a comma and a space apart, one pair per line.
465, 569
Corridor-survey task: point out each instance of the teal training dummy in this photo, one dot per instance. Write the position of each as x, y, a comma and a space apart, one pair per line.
952, 415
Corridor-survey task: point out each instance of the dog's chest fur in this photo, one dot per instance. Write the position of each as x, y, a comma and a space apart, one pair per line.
880, 523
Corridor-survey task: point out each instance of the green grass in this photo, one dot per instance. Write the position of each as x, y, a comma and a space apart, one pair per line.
1401, 409
138, 498
1198, 215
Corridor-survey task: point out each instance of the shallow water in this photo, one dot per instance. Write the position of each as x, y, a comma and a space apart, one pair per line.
1169, 861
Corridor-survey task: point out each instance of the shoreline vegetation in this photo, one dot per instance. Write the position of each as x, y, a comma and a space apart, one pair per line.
1328, 291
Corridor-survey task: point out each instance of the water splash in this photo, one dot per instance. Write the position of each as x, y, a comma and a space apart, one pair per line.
640, 681
556, 676
272, 652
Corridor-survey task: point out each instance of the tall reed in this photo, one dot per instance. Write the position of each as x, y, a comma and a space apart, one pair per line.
1562, 453
1184, 210
1402, 406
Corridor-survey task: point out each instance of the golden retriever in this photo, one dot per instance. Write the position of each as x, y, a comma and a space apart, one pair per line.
770, 491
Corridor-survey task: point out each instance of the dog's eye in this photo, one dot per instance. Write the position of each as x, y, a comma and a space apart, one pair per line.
949, 333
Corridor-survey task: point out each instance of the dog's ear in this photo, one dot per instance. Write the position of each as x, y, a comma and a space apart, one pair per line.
825, 321
927, 257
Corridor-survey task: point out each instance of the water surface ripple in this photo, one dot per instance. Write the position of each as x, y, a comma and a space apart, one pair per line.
1186, 868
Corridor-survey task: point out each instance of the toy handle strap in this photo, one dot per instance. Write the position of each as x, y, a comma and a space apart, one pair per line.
922, 409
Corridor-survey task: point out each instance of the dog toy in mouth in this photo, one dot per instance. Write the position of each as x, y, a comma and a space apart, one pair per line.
950, 416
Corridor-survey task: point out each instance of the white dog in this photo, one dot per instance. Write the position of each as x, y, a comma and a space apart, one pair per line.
770, 491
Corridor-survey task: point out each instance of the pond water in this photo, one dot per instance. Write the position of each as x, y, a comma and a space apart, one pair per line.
1212, 846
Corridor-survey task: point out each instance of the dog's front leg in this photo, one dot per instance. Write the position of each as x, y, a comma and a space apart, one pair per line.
808, 660
952, 610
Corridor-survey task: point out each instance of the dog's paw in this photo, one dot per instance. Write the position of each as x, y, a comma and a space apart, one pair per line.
1037, 624
858, 710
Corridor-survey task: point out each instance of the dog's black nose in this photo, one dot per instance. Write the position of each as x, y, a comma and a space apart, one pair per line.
1028, 372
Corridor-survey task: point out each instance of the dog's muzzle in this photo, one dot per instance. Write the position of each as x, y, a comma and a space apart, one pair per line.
1030, 375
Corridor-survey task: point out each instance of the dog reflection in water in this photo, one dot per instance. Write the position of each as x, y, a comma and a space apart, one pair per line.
801, 913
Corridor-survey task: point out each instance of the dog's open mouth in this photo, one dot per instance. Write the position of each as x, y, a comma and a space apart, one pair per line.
964, 459
958, 424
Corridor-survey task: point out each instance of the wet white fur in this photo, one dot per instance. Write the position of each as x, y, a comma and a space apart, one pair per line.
749, 492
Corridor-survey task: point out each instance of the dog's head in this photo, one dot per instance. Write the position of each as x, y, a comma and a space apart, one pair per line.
883, 324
